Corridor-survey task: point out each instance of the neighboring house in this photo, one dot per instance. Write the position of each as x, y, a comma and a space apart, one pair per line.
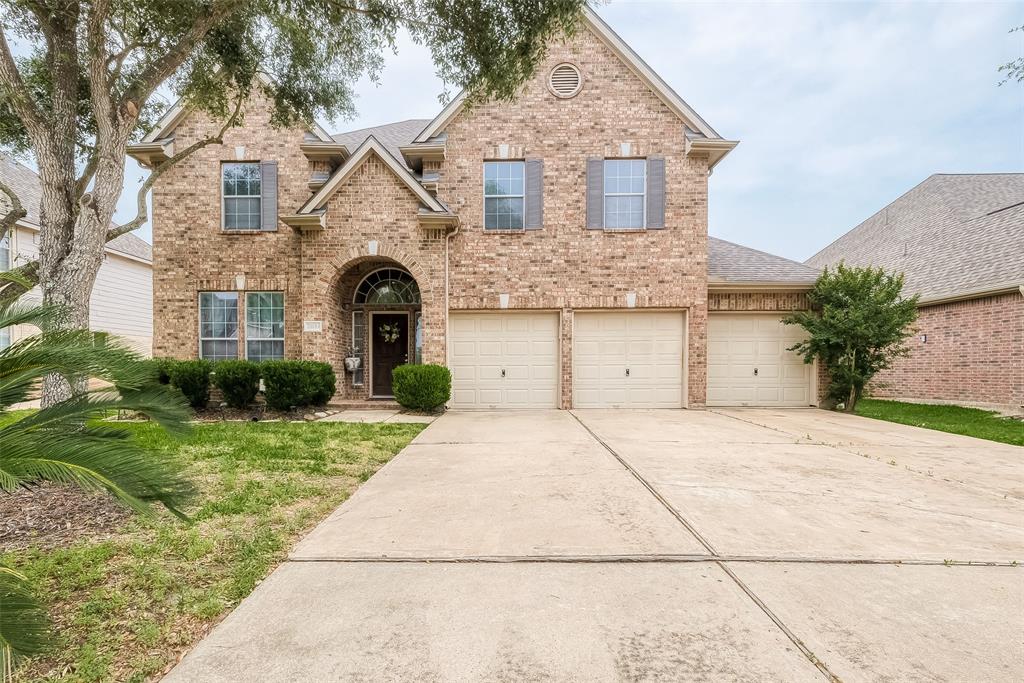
552, 251
959, 240
122, 297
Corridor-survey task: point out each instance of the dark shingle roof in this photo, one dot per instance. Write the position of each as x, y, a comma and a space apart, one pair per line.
733, 263
25, 184
391, 135
951, 235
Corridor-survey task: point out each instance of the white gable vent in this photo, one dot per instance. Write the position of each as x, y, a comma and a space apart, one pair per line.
565, 80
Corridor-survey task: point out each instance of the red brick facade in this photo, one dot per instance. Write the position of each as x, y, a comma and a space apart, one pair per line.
966, 352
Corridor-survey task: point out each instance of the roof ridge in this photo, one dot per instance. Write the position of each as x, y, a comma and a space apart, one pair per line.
380, 125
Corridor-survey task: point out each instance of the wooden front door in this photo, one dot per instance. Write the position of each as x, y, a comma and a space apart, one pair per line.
389, 348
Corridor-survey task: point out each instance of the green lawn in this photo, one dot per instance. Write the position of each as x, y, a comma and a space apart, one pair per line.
982, 424
126, 607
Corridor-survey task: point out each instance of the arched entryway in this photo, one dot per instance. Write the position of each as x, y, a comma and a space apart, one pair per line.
381, 307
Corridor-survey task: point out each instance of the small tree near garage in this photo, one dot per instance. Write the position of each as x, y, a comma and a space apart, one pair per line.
857, 327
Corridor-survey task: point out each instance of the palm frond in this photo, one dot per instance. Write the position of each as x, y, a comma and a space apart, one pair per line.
24, 626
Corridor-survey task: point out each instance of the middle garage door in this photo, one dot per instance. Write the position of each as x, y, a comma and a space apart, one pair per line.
628, 359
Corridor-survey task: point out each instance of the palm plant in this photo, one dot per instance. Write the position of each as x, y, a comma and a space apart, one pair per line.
62, 444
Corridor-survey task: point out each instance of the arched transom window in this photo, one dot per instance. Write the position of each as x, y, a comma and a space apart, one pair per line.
388, 286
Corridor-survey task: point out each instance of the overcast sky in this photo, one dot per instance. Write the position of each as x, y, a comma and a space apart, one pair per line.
840, 108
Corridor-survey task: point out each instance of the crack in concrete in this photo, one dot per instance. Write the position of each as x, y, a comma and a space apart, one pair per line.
811, 657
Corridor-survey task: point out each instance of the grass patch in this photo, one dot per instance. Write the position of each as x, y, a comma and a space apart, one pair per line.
125, 607
981, 424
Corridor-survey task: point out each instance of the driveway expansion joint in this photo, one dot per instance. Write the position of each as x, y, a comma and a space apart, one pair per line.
811, 657
646, 559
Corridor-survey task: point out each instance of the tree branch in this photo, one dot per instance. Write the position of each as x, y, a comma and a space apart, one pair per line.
16, 213
15, 90
142, 214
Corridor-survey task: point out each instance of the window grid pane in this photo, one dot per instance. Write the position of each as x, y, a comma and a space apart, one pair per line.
358, 334
241, 190
504, 195
264, 326
218, 325
625, 185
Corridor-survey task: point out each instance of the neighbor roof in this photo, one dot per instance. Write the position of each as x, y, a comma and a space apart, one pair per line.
392, 135
25, 183
734, 264
951, 236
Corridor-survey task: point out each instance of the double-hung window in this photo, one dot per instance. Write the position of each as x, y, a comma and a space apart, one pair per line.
241, 188
625, 193
218, 325
504, 195
264, 326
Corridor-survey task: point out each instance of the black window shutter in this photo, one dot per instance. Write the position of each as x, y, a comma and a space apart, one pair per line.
656, 192
534, 194
268, 195
595, 193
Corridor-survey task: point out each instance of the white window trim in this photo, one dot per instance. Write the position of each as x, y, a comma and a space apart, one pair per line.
224, 197
261, 339
521, 197
361, 373
606, 194
205, 339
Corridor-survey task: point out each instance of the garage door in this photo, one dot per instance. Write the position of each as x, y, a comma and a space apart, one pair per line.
748, 364
628, 360
503, 360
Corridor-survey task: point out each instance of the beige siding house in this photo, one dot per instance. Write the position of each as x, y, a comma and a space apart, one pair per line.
122, 298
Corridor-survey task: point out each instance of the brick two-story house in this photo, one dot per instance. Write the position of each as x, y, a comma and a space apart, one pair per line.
553, 251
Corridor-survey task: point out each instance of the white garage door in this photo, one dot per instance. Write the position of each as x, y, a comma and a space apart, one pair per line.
748, 364
503, 360
628, 360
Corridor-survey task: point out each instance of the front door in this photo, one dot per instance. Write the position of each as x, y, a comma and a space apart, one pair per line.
389, 348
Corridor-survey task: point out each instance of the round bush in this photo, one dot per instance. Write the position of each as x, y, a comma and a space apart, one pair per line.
422, 387
192, 378
238, 380
291, 384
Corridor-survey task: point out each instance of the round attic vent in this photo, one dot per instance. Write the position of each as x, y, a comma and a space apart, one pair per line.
565, 80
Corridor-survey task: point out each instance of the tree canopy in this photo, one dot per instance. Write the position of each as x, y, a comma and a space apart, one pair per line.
856, 328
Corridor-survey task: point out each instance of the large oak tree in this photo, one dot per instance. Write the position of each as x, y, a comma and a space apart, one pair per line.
81, 81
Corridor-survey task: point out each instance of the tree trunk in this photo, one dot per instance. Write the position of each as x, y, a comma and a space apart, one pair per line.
69, 268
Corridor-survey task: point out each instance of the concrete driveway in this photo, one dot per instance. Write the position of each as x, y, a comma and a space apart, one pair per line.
652, 545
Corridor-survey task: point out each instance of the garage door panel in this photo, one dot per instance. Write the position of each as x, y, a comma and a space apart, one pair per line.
523, 345
743, 342
648, 343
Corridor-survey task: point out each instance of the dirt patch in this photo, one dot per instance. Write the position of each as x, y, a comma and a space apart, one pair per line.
54, 516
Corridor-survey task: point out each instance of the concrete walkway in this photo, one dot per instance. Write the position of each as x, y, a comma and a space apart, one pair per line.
652, 545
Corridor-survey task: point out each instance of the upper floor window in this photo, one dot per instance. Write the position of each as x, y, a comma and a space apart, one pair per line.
218, 325
625, 193
5, 252
264, 326
504, 195
241, 190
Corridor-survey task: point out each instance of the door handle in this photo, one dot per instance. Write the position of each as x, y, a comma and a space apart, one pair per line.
503, 372
627, 372
755, 372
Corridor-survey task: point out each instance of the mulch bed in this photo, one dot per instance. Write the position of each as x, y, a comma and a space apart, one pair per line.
52, 516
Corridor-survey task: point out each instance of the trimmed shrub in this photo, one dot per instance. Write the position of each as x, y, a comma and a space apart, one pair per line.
161, 368
422, 387
291, 384
238, 380
192, 378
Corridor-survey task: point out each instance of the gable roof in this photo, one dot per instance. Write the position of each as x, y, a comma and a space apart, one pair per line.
631, 59
371, 145
172, 117
25, 183
393, 136
734, 264
951, 236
